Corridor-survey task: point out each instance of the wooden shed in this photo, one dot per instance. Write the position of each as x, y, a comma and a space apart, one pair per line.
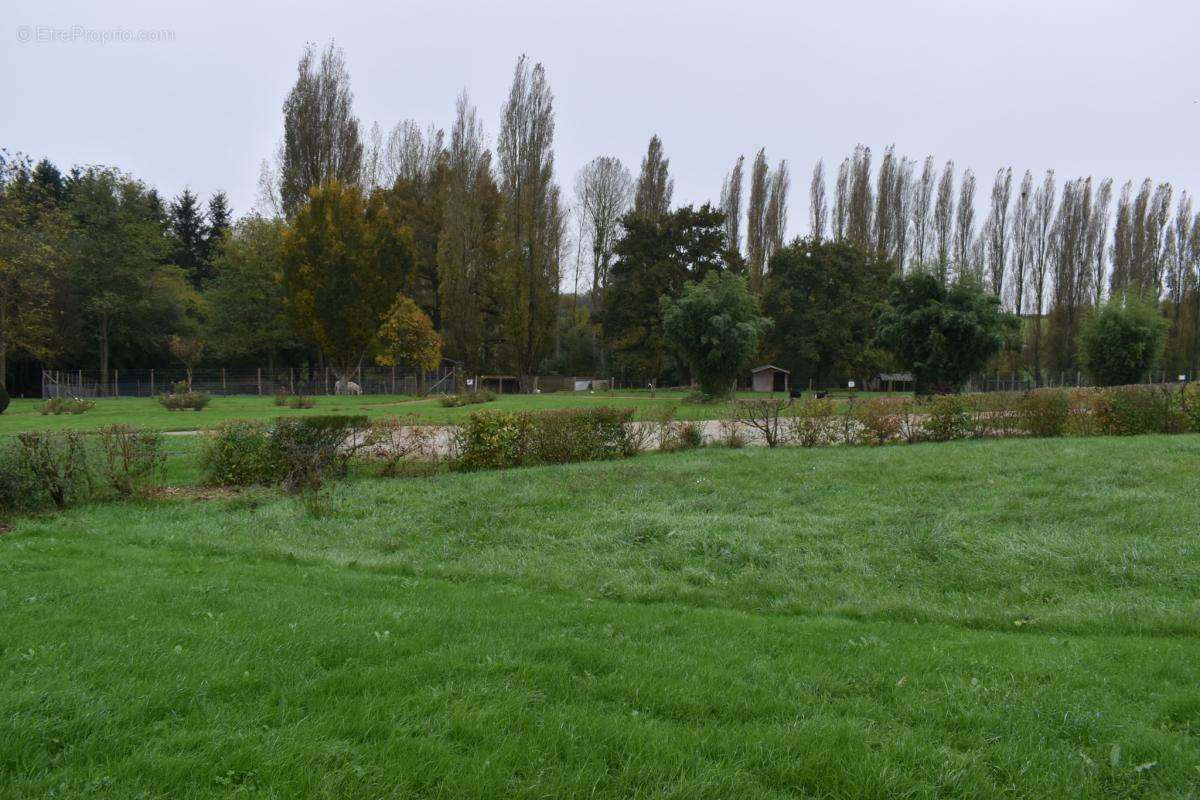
769, 378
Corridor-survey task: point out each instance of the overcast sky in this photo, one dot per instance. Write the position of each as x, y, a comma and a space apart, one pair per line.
1085, 87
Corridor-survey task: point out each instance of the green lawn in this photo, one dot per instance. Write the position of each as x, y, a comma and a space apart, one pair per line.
24, 414
1014, 618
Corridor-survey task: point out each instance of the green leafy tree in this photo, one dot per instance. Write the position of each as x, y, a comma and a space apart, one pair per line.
655, 257
344, 260
716, 326
247, 322
31, 250
942, 334
118, 243
1121, 341
822, 297
188, 350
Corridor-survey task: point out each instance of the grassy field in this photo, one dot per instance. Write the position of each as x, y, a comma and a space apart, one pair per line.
146, 412
1012, 618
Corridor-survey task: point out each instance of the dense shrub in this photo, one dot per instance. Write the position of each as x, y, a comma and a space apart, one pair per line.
132, 458
493, 440
1121, 341
67, 405
301, 401
1080, 419
184, 401
58, 462
562, 436
240, 453
20, 490
498, 439
467, 399
1130, 410
881, 418
947, 417
312, 448
812, 423
994, 414
1189, 407
1044, 412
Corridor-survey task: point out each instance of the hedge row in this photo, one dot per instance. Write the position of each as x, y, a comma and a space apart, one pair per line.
1115, 411
499, 439
56, 469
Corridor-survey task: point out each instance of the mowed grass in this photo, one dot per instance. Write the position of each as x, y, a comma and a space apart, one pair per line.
24, 414
1014, 618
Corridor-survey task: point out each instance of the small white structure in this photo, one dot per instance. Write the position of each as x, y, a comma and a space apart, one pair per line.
769, 378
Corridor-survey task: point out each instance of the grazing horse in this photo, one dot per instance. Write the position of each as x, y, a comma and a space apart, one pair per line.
347, 387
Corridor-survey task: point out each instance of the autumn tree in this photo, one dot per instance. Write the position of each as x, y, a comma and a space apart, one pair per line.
344, 260
407, 337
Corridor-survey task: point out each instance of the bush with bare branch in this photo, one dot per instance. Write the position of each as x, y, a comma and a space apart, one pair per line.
766, 416
397, 443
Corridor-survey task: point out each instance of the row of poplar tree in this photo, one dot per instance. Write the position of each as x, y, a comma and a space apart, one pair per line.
518, 277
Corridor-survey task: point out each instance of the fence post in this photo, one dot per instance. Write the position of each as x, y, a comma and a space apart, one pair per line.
152, 383
259, 380
292, 380
116, 383
393, 379
223, 380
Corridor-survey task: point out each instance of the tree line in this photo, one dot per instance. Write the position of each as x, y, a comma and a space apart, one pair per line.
455, 244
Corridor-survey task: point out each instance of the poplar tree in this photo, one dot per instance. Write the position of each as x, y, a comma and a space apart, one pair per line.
321, 139
818, 204
530, 222
731, 205
652, 197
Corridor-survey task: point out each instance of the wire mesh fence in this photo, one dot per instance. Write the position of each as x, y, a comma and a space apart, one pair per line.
245, 381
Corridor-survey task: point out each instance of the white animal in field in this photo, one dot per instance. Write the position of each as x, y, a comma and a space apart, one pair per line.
347, 387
